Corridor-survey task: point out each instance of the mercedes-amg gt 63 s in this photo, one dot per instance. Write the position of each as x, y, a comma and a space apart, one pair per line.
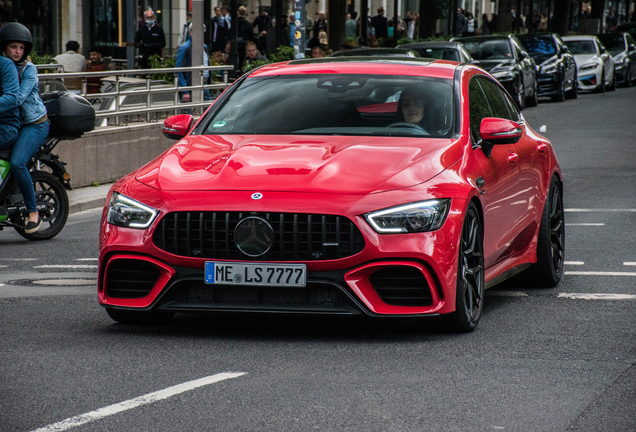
386, 187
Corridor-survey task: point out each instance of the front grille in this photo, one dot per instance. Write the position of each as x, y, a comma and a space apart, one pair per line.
127, 278
315, 297
402, 286
298, 237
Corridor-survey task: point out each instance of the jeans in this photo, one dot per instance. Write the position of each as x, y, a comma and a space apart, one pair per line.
8, 135
30, 139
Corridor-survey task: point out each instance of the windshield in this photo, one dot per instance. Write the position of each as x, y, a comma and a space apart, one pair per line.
614, 43
489, 49
337, 104
581, 47
539, 46
440, 53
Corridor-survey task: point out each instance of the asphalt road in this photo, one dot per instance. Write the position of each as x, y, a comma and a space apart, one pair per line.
540, 360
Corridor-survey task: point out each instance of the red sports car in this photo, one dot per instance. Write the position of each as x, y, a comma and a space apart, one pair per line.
386, 187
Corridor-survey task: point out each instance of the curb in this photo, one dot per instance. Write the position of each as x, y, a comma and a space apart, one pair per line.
86, 205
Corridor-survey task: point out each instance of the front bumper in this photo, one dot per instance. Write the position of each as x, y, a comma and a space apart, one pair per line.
590, 79
404, 274
548, 84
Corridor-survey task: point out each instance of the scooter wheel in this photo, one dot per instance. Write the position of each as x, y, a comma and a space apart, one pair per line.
52, 200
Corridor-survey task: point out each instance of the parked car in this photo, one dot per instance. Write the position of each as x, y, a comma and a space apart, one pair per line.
628, 27
622, 47
453, 51
507, 60
376, 52
556, 68
346, 205
594, 63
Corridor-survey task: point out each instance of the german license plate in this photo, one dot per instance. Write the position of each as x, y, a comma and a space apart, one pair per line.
255, 274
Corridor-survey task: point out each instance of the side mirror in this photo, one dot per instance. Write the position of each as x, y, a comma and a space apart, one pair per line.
497, 131
176, 127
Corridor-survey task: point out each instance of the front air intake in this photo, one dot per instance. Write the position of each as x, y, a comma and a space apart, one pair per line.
130, 278
402, 286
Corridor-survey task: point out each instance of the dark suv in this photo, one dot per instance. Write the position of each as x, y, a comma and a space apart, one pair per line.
555, 65
507, 60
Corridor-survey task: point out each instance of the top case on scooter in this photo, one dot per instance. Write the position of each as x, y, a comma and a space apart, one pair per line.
70, 114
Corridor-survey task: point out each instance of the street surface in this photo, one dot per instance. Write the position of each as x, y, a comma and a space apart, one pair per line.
541, 359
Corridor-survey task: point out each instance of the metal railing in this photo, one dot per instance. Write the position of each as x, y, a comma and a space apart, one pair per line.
136, 82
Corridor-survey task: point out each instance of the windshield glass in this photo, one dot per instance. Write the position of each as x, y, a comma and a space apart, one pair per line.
440, 53
581, 47
539, 46
337, 104
614, 43
489, 49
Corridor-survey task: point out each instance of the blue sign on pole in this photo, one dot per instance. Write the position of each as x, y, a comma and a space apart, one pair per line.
299, 29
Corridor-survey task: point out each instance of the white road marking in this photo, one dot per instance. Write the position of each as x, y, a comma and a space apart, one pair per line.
543, 128
86, 259
3, 266
597, 296
18, 259
599, 273
1, 284
136, 402
580, 210
584, 224
506, 293
573, 262
71, 266
627, 263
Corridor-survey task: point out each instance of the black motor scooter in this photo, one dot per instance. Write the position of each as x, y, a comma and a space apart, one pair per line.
70, 116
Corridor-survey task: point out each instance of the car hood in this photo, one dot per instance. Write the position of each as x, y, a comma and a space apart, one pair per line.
337, 164
583, 59
494, 65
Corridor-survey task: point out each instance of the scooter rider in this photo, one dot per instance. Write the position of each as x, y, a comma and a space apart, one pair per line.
16, 44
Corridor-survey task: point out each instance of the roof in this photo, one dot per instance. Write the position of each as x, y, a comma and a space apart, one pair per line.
376, 52
439, 44
362, 65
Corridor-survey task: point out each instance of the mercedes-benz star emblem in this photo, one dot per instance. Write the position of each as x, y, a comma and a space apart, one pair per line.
254, 236
257, 195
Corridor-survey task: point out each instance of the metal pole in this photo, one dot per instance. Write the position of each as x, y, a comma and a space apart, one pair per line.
197, 46
131, 29
299, 29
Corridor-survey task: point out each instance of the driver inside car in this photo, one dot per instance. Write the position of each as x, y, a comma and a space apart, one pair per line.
412, 106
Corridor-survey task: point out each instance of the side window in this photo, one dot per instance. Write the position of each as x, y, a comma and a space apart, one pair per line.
478, 107
496, 98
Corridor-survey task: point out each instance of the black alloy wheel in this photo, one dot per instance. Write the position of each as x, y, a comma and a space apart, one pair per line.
469, 302
548, 270
53, 204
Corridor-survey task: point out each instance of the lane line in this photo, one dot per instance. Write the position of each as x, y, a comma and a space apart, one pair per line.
138, 401
573, 262
18, 259
71, 266
506, 293
584, 224
582, 210
627, 263
599, 273
597, 296
86, 259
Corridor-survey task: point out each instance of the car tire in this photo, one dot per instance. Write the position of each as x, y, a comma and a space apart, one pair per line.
548, 270
601, 87
560, 96
628, 77
469, 302
573, 93
533, 100
612, 86
134, 317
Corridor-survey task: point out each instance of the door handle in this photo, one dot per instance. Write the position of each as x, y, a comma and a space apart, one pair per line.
512, 158
541, 148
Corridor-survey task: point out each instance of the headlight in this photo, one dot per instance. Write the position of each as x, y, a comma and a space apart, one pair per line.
502, 74
126, 212
589, 66
550, 69
410, 218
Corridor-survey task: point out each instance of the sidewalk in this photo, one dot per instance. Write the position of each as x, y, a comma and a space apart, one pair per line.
87, 198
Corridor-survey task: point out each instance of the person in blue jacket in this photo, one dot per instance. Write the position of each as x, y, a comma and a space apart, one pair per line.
9, 111
16, 44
